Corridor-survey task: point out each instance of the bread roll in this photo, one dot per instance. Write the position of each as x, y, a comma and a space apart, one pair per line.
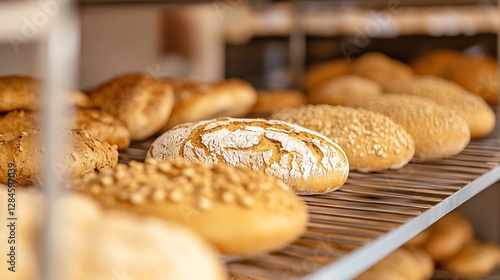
448, 236
381, 273
269, 101
479, 75
324, 72
344, 90
438, 132
214, 200
196, 101
380, 68
474, 110
23, 93
24, 150
425, 261
308, 162
371, 141
95, 122
475, 259
420, 239
141, 102
436, 62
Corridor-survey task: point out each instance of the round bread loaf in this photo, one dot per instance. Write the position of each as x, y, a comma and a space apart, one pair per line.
196, 101
474, 260
474, 110
97, 123
23, 93
307, 161
344, 90
479, 75
141, 102
22, 151
381, 273
213, 200
371, 141
269, 101
400, 264
380, 68
420, 239
324, 72
425, 262
448, 236
435, 62
438, 132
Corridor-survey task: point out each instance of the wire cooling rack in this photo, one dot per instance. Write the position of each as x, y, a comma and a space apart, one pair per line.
371, 215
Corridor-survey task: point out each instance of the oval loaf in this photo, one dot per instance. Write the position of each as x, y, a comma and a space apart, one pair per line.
307, 161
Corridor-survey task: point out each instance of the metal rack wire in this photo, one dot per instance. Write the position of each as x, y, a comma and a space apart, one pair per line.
372, 214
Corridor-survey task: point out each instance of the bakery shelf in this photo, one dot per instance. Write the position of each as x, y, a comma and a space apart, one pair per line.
372, 214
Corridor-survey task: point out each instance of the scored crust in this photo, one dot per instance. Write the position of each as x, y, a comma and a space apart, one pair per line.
21, 92
345, 90
474, 110
141, 102
438, 132
371, 141
196, 101
213, 200
307, 161
23, 148
380, 68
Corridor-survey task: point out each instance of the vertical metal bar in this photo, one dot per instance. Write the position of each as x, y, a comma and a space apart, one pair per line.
59, 61
297, 47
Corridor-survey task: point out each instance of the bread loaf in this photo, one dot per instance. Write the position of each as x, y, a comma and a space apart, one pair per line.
141, 102
380, 68
475, 259
436, 62
307, 161
344, 90
371, 141
324, 72
474, 110
213, 200
196, 101
269, 101
438, 132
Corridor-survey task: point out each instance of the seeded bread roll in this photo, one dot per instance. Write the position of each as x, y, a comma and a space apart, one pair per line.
474, 110
24, 150
97, 123
214, 200
269, 101
438, 132
324, 72
196, 101
436, 62
23, 93
344, 90
380, 68
141, 102
479, 75
475, 259
307, 161
371, 141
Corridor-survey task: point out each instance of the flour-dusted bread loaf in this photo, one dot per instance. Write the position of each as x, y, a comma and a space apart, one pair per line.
321, 73
238, 210
196, 101
24, 93
371, 141
474, 110
435, 63
22, 151
345, 90
380, 68
96, 122
438, 132
307, 161
141, 102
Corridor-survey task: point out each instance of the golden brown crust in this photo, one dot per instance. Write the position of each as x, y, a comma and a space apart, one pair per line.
24, 150
269, 101
324, 72
344, 90
380, 68
141, 102
211, 199
475, 259
371, 141
22, 93
438, 132
196, 101
436, 62
474, 110
19, 120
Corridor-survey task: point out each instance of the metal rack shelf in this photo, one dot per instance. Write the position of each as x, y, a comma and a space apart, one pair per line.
372, 214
